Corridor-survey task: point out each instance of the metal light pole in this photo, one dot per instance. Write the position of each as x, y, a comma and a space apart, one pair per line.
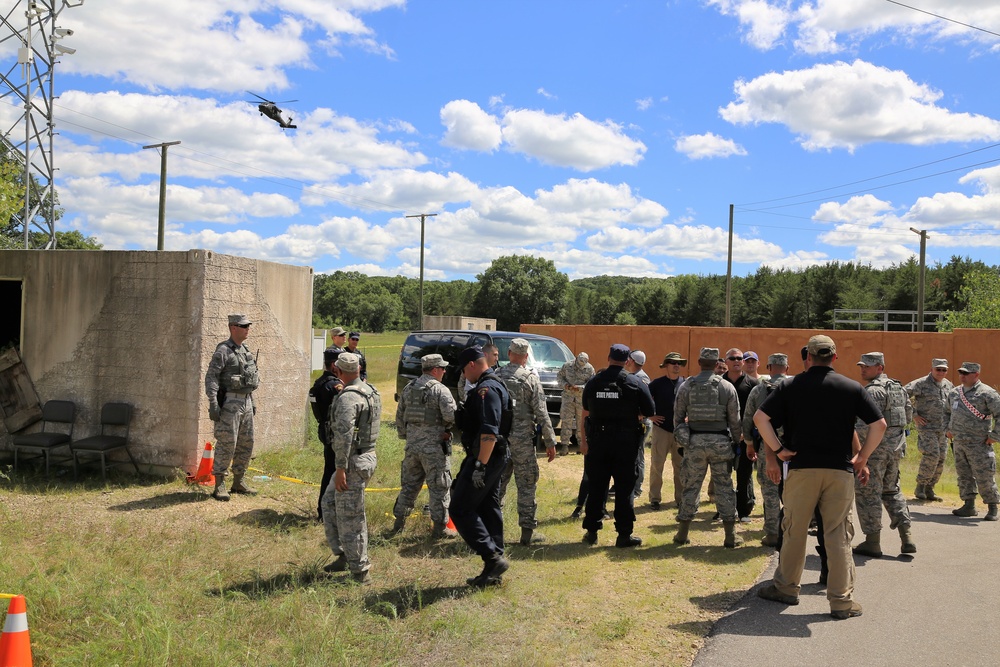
163, 190
920, 289
422, 217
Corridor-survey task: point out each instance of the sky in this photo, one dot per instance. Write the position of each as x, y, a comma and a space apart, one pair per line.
610, 137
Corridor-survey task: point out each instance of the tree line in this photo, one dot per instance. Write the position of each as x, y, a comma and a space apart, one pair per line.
521, 289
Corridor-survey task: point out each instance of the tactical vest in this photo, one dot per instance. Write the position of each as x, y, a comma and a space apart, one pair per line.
516, 382
895, 403
366, 427
418, 409
706, 407
240, 372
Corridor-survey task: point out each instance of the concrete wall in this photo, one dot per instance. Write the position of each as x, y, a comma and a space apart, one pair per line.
907, 354
140, 327
459, 322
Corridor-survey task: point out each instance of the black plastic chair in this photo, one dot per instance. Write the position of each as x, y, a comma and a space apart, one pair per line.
42, 443
116, 416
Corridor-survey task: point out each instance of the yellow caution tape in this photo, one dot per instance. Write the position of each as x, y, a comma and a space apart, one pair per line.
8, 595
299, 481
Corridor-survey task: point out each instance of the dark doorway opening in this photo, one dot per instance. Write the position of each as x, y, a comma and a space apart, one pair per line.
10, 306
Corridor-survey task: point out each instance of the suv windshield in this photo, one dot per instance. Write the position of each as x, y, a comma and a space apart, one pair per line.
544, 354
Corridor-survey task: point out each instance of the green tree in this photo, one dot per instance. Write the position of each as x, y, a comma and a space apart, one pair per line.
981, 294
519, 289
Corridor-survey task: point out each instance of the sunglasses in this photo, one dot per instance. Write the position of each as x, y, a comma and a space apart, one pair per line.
675, 363
735, 358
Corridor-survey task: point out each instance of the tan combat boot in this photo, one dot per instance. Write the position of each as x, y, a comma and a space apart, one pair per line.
441, 530
871, 546
968, 509
991, 515
908, 547
239, 487
732, 539
397, 527
682, 532
220, 492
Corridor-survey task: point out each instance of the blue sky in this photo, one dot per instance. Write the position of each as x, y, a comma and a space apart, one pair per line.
610, 137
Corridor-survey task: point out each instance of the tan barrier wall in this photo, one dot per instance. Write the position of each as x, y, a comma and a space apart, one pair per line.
907, 355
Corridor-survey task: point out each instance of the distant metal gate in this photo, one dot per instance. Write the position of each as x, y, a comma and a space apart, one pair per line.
885, 320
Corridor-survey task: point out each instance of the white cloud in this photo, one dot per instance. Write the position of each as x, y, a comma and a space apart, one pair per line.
708, 145
764, 22
546, 94
397, 189
683, 242
468, 126
798, 260
644, 104
574, 141
843, 105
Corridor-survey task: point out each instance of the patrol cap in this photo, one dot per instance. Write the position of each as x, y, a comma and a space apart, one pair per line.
708, 354
872, 359
777, 359
519, 346
674, 356
339, 331
638, 356
354, 335
330, 355
470, 354
619, 352
750, 354
582, 358
822, 346
348, 362
939, 363
969, 367
239, 320
432, 361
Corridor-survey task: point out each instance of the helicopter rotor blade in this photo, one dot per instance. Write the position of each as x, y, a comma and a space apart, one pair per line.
258, 96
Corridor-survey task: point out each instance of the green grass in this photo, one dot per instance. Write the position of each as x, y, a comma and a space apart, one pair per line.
154, 572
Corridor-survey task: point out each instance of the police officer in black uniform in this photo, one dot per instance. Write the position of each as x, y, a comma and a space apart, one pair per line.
323, 391
475, 494
614, 403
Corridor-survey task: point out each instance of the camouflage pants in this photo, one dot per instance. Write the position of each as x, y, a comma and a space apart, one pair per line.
933, 448
772, 499
882, 489
344, 518
976, 465
707, 451
233, 437
420, 463
523, 466
570, 415
663, 444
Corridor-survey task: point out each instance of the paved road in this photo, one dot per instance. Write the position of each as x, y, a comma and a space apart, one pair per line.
938, 607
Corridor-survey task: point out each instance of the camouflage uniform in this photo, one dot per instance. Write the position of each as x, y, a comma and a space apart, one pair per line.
714, 428
529, 409
575, 373
232, 367
929, 401
354, 421
425, 411
768, 489
975, 459
883, 484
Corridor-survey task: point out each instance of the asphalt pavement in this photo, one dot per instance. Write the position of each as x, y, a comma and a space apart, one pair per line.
937, 607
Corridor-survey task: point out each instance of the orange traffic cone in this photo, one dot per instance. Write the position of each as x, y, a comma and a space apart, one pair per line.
451, 524
15, 646
204, 475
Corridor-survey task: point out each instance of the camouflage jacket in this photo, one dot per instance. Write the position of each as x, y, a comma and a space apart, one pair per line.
963, 424
425, 411
754, 400
572, 374
529, 404
930, 401
355, 416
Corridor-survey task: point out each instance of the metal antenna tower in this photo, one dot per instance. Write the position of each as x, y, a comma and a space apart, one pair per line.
31, 26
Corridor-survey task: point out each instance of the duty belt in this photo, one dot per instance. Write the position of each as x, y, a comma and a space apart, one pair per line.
694, 432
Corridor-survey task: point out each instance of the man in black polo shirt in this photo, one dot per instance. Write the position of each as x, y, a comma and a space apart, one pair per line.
745, 497
818, 409
664, 389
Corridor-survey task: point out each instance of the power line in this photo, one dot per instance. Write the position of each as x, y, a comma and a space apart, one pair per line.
944, 18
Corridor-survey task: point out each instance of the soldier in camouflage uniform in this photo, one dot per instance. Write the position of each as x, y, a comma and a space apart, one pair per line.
424, 416
929, 395
529, 410
973, 412
777, 365
354, 421
229, 382
712, 410
883, 484
572, 376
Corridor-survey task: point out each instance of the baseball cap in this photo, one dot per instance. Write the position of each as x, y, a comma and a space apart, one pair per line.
470, 354
619, 352
638, 356
822, 346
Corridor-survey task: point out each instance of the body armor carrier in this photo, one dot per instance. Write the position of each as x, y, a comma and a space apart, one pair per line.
706, 412
418, 411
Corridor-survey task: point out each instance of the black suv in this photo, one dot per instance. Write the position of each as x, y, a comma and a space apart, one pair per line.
547, 356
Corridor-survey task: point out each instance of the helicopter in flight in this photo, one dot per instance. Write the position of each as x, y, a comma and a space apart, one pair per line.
270, 109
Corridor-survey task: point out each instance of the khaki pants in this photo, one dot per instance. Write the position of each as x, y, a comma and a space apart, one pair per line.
833, 491
663, 444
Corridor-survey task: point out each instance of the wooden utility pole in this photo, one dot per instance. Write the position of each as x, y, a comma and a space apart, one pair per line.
422, 217
163, 190
920, 288
729, 271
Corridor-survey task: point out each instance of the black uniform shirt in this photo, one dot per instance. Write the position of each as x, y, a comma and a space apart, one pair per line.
483, 405
664, 390
617, 396
323, 391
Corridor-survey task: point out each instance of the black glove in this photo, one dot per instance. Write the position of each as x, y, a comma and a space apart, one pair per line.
214, 412
479, 476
